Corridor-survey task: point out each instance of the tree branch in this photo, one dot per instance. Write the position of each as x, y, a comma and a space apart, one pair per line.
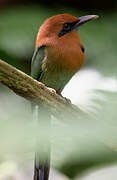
34, 91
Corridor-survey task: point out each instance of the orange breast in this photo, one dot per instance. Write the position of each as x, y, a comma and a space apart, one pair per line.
66, 52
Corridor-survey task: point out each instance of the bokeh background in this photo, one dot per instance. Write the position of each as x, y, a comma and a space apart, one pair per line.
84, 149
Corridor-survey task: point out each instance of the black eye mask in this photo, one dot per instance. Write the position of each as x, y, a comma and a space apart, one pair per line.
67, 27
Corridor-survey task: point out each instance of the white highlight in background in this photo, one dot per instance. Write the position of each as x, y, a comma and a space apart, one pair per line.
80, 89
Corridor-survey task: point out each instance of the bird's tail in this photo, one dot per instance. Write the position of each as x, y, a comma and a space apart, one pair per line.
42, 168
42, 154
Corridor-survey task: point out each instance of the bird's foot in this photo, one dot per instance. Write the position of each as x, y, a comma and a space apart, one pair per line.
52, 90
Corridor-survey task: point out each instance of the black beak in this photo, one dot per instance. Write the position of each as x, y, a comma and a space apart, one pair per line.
84, 19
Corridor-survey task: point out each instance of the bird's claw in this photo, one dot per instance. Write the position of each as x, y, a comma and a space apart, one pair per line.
52, 90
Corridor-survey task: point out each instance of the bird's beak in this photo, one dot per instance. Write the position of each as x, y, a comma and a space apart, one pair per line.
84, 19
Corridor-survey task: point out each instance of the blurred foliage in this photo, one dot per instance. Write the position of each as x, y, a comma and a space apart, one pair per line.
76, 146
19, 26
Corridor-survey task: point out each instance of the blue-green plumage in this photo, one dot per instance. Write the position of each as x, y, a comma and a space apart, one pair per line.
37, 61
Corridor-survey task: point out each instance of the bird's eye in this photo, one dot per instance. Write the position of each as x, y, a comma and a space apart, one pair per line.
66, 26
82, 49
65, 29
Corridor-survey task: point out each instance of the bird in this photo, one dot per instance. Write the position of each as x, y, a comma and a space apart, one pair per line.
59, 54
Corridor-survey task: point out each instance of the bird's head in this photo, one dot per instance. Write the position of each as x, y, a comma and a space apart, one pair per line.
59, 34
62, 24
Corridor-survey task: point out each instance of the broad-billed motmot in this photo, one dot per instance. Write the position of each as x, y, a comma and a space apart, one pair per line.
59, 54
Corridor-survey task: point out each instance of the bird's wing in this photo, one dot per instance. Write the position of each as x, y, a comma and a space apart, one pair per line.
37, 61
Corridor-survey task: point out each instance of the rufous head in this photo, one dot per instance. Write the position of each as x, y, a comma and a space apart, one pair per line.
62, 24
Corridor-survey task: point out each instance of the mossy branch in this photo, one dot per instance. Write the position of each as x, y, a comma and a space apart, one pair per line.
25, 86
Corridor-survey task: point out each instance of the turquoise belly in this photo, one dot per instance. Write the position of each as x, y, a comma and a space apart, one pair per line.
56, 79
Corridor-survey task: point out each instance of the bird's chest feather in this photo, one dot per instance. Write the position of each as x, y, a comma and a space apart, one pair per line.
67, 53
55, 76
62, 61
